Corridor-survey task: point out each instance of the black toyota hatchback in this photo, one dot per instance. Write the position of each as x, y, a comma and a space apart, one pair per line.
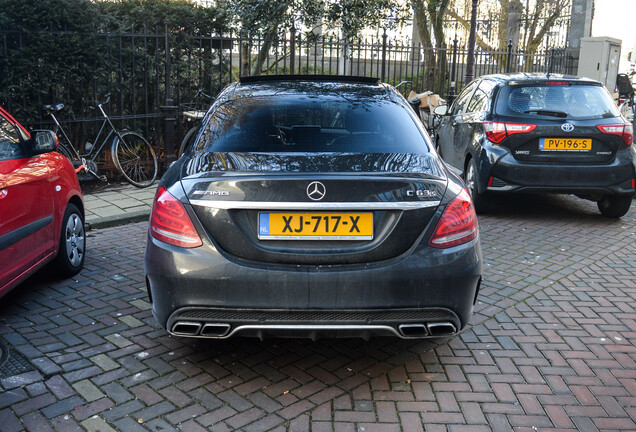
540, 133
307, 207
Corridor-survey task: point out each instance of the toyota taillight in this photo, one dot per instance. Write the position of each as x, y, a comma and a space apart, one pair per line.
170, 222
496, 132
625, 131
458, 224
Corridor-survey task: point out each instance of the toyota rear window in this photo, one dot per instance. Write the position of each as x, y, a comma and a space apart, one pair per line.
556, 100
283, 124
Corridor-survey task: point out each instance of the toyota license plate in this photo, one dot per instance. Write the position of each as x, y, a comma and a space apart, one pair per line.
315, 226
565, 144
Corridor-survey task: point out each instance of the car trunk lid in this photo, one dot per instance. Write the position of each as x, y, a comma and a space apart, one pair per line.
237, 196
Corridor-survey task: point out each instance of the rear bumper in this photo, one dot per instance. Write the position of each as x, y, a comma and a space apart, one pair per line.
192, 288
510, 175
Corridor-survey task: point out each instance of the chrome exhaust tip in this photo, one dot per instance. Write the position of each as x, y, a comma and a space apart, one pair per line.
186, 328
413, 330
215, 329
441, 329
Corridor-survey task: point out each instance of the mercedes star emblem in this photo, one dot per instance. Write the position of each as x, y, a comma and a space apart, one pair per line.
316, 191
567, 127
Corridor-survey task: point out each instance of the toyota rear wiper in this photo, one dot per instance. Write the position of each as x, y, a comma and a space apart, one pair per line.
547, 112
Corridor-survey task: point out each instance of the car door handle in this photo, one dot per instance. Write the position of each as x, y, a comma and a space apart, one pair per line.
3, 193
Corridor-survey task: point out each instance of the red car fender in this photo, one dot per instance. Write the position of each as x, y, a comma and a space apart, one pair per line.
66, 188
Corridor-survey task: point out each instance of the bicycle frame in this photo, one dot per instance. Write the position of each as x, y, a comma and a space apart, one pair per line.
95, 150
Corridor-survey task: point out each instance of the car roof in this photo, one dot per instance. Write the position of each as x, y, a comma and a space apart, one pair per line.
313, 85
536, 77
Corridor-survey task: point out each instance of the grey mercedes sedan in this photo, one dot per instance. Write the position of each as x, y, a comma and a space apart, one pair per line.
312, 206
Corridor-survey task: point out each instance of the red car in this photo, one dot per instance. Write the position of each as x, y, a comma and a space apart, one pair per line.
41, 206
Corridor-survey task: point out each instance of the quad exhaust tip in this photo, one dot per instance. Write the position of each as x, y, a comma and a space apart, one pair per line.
186, 328
413, 330
436, 329
441, 329
215, 330
193, 328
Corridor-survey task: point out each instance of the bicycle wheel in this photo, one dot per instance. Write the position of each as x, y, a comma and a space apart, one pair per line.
135, 159
61, 148
185, 143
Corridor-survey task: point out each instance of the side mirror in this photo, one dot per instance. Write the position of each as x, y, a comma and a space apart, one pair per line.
43, 141
441, 110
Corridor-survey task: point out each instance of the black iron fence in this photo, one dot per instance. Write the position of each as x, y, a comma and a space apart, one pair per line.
150, 75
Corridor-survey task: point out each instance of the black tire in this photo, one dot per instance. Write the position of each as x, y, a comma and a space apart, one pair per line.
70, 255
471, 178
135, 159
185, 143
614, 206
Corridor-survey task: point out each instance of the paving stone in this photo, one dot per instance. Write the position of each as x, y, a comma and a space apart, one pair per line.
122, 410
104, 362
9, 397
9, 422
155, 410
88, 390
116, 392
62, 407
97, 424
21, 380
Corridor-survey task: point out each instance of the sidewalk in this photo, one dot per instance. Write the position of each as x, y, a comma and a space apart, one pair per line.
117, 205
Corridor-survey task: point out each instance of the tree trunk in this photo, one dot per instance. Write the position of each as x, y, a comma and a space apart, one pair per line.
246, 49
264, 51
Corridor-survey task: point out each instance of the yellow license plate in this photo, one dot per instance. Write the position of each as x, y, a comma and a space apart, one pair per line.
315, 226
567, 144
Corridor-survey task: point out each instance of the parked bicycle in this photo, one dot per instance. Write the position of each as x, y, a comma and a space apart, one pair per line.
195, 115
626, 99
132, 154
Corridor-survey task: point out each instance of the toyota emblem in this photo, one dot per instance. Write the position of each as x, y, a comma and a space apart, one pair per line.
316, 191
567, 127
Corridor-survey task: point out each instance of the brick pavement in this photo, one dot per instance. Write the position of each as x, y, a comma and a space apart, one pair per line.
551, 347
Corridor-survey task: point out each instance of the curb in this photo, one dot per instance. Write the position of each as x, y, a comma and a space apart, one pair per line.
117, 220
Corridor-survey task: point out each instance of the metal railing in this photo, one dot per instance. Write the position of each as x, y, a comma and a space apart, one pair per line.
150, 73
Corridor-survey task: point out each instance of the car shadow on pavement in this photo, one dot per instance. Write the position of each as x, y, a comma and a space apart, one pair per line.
543, 207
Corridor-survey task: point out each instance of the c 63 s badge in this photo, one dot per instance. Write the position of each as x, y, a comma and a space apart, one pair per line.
421, 193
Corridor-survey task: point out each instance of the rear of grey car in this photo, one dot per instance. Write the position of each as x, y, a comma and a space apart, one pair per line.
520, 133
312, 209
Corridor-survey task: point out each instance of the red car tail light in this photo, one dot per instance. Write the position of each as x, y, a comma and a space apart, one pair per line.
170, 222
625, 131
458, 224
496, 132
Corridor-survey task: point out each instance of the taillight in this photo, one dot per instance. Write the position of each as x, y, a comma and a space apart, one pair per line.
625, 131
170, 222
496, 132
458, 224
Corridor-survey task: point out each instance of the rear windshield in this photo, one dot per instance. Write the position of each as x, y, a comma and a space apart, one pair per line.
283, 124
562, 101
